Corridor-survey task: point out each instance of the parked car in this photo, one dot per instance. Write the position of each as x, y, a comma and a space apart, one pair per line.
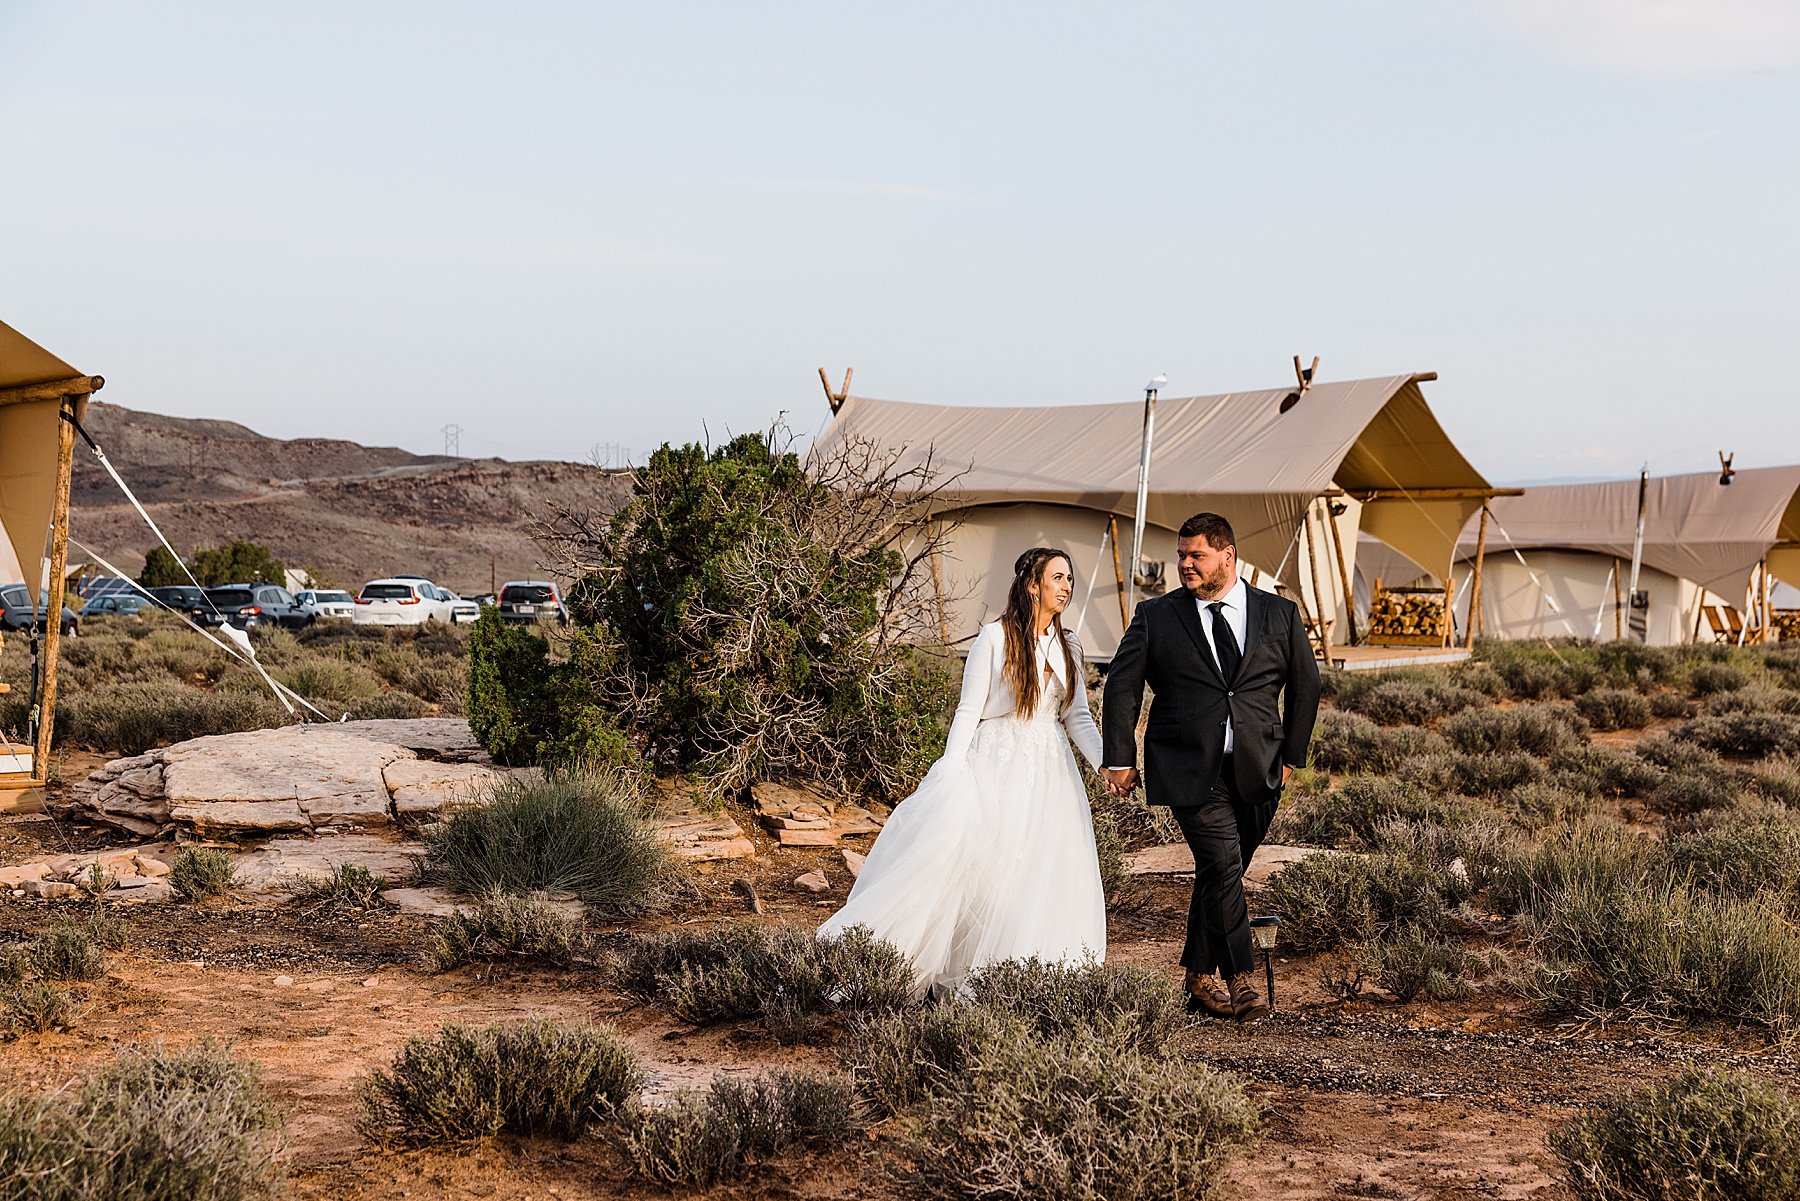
115, 604
185, 598
532, 600
461, 611
249, 605
327, 602
400, 601
17, 612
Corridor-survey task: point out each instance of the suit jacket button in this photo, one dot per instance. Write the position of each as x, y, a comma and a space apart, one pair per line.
1231, 694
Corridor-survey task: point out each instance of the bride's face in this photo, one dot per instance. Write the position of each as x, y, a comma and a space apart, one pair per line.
1054, 587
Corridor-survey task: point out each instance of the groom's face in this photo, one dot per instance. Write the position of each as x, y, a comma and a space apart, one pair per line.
1205, 570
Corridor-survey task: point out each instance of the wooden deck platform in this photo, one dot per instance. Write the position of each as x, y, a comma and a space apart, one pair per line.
1384, 658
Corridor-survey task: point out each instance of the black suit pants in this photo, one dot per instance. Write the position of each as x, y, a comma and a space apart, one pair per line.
1223, 834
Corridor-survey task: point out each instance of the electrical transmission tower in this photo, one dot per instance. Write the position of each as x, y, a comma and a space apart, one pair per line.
453, 440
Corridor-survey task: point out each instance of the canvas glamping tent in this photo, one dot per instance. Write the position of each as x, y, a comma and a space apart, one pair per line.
1292, 469
1559, 558
36, 451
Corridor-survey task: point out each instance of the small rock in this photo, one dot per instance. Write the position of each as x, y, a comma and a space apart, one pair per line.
807, 838
853, 861
813, 882
372, 981
154, 868
283, 981
50, 889
146, 892
14, 877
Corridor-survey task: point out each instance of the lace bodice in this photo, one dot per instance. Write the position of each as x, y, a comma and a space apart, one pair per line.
988, 696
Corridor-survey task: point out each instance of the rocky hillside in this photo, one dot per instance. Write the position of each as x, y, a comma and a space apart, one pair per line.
343, 511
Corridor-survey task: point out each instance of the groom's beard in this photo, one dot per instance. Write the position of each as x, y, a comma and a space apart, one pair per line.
1212, 587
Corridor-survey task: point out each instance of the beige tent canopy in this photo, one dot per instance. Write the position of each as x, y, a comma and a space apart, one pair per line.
1699, 536
36, 448
1258, 457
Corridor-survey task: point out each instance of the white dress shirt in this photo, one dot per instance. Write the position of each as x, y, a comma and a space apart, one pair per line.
1236, 616
987, 693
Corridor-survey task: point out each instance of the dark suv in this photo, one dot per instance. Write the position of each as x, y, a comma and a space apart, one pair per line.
247, 605
532, 600
17, 613
185, 598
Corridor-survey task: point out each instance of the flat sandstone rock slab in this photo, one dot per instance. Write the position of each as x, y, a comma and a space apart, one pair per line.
446, 738
274, 765
1174, 859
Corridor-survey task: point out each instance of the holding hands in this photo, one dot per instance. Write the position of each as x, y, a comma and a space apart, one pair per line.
1120, 780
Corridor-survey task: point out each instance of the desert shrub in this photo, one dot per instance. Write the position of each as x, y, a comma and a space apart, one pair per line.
1671, 704
589, 835
154, 1125
511, 707
1695, 791
503, 927
1548, 803
66, 951
1704, 679
1350, 742
1532, 729
1751, 734
1410, 962
1494, 773
1328, 900
1614, 709
1077, 1119
901, 1056
36, 1006
1674, 753
348, 886
782, 974
1479, 849
745, 612
1109, 846
1408, 702
131, 718
532, 1078
1135, 1006
1598, 855
202, 872
329, 681
1480, 677
388, 705
701, 1139
1348, 818
1741, 852
1776, 779
1752, 699
1709, 1132
1604, 770
1664, 950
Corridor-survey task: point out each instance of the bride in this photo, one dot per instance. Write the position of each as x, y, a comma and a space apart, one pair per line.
993, 856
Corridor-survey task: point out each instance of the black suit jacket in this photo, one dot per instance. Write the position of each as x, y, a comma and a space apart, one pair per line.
1184, 741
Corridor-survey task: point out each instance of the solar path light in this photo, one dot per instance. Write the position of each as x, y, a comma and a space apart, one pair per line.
1262, 932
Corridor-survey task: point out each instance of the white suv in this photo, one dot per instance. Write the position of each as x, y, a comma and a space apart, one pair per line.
400, 602
327, 602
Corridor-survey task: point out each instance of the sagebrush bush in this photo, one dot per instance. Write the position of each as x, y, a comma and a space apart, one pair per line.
1350, 742
1409, 962
588, 835
1328, 900
202, 872
1746, 734
154, 1125
1776, 779
1704, 679
1347, 819
1540, 730
1409, 702
67, 951
348, 886
1076, 1119
1136, 1006
134, 717
701, 1139
1614, 709
1604, 770
532, 1078
782, 974
1549, 803
1695, 791
1670, 704
1674, 753
1752, 699
503, 927
35, 1006
1596, 856
1707, 1133
1742, 852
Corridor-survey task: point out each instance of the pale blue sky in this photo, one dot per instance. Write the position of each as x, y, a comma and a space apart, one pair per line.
563, 225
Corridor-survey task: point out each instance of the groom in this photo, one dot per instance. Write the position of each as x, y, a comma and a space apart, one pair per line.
1218, 749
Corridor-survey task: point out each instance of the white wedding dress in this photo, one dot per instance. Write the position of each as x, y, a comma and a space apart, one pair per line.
993, 856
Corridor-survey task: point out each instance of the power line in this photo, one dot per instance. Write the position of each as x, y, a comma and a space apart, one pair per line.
453, 440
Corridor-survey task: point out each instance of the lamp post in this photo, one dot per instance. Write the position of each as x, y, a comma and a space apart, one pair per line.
1263, 932
1143, 482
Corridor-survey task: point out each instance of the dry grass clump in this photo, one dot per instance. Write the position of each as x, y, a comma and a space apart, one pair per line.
782, 974
1076, 1119
588, 835
1741, 852
531, 1078
704, 1138
1696, 791
348, 887
1411, 962
132, 717
202, 872
502, 927
154, 1125
1614, 709
1550, 803
1706, 1133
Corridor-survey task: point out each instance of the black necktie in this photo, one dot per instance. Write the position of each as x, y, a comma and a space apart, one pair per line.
1224, 645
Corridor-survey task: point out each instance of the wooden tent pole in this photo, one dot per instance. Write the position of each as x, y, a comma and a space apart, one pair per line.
1475, 588
1112, 535
1448, 633
1337, 548
1699, 615
1318, 593
59, 566
1312, 562
1619, 605
1764, 636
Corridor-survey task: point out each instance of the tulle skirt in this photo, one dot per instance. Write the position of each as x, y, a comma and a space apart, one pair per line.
991, 858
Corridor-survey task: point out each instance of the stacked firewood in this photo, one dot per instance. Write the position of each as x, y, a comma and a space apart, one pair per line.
1400, 614
1786, 623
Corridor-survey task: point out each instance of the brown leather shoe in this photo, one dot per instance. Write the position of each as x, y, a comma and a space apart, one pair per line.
1246, 1003
1206, 995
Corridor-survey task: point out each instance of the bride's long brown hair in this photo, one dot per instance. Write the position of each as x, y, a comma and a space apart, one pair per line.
1021, 669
